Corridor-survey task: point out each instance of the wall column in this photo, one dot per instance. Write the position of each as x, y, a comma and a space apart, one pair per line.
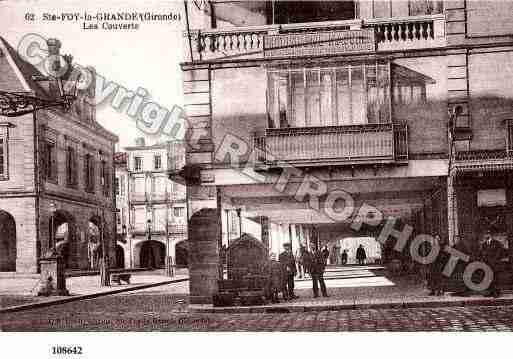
452, 211
265, 228
204, 237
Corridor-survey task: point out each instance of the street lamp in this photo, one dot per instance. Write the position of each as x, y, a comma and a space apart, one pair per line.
64, 78
148, 229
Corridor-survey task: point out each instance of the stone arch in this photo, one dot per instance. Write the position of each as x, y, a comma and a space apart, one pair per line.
372, 247
63, 233
7, 242
120, 256
182, 253
152, 254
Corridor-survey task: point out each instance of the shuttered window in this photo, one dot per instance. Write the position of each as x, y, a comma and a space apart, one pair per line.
50, 161
89, 172
71, 166
4, 173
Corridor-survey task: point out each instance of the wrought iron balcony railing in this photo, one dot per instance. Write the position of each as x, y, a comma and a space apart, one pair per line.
333, 145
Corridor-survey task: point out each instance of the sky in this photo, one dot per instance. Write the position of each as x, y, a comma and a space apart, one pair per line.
147, 58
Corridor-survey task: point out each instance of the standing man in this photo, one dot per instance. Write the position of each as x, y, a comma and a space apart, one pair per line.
491, 253
316, 268
289, 264
361, 256
325, 254
344, 257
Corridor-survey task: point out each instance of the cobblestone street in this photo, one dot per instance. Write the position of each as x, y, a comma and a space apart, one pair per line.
152, 310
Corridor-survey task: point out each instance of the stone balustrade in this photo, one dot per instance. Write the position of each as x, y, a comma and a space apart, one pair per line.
390, 33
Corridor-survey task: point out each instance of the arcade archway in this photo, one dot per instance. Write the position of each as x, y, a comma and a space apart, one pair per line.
182, 254
372, 248
152, 254
120, 257
63, 235
7, 242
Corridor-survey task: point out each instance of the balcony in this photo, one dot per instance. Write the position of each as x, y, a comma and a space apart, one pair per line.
176, 157
412, 32
177, 229
333, 145
138, 197
166, 196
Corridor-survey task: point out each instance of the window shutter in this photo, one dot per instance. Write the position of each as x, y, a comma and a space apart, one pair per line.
91, 173
44, 159
86, 171
54, 162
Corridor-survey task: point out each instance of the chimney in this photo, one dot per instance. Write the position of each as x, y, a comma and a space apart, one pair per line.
54, 49
53, 65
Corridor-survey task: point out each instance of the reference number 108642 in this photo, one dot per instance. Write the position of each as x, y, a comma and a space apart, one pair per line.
66, 350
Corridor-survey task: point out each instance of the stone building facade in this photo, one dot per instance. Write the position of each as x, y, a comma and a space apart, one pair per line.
331, 120
152, 211
56, 175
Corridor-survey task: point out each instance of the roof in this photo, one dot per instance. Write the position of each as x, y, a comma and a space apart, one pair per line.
25, 72
23, 69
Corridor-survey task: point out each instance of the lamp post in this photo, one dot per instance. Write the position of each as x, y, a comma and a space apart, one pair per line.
148, 238
452, 211
51, 238
123, 234
131, 237
104, 261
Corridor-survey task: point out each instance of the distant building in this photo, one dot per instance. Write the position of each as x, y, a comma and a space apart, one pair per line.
152, 211
56, 171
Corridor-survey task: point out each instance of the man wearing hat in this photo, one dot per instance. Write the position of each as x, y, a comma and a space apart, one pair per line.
317, 267
491, 253
288, 262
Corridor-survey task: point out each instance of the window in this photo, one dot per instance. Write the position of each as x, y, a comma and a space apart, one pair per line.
157, 162
50, 161
178, 212
4, 173
425, 7
105, 178
122, 185
116, 186
71, 166
137, 163
336, 96
286, 12
89, 172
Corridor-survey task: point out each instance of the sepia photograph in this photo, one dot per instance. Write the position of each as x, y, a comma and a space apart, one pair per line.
255, 166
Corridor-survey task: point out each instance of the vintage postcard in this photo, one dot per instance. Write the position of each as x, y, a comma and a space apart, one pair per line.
244, 166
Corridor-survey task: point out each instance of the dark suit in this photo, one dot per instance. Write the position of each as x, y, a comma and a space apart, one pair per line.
491, 253
289, 264
317, 267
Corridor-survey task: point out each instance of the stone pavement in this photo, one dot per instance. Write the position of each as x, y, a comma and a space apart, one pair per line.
355, 287
164, 308
22, 289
